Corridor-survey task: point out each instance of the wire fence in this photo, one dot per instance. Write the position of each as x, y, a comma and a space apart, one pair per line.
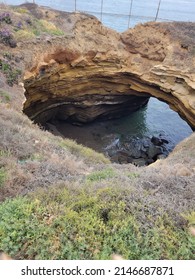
123, 14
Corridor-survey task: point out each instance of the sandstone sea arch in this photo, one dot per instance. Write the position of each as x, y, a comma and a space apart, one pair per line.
93, 71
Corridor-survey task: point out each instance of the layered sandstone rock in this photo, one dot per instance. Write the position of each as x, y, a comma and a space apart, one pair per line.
94, 72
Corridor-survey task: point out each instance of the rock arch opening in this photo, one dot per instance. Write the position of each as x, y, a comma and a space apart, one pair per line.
82, 95
118, 96
97, 73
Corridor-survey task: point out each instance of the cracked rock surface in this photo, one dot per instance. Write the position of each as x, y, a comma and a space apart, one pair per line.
94, 72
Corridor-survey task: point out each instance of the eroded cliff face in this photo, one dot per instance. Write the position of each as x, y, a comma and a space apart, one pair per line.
94, 72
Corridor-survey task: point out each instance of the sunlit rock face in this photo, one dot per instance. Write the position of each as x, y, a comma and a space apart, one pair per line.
94, 72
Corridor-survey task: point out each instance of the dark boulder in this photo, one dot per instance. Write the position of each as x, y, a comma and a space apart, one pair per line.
139, 162
156, 141
153, 151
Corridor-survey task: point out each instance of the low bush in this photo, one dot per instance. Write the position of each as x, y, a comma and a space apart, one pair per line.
50, 28
106, 173
21, 35
12, 74
7, 38
21, 10
65, 223
4, 97
43, 26
2, 176
88, 154
6, 17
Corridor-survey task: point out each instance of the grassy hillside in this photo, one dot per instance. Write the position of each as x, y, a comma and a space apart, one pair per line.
86, 221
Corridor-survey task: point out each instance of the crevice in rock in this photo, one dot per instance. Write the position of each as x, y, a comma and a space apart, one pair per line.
87, 108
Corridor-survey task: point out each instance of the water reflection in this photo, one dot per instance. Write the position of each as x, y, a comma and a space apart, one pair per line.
134, 124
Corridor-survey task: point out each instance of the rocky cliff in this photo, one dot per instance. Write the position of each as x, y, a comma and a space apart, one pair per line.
94, 72
67, 192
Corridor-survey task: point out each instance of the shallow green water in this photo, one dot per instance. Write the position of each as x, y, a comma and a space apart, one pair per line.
154, 119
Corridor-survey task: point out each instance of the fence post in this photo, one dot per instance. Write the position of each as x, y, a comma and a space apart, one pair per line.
102, 3
75, 5
130, 10
157, 12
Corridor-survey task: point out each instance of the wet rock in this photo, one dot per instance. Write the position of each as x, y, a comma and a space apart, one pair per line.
165, 141
161, 156
145, 143
156, 141
114, 145
144, 155
114, 158
134, 147
122, 157
153, 151
129, 159
149, 161
111, 153
122, 160
143, 150
139, 162
159, 141
137, 151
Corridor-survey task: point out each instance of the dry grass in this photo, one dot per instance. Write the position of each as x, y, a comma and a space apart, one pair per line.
48, 25
86, 220
33, 158
88, 154
22, 35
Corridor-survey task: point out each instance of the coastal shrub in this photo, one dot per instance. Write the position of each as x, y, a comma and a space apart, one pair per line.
21, 10
42, 26
88, 154
15, 135
6, 37
132, 175
37, 157
68, 223
18, 26
191, 220
8, 56
190, 217
22, 35
4, 153
6, 17
50, 28
12, 74
4, 96
2, 176
106, 173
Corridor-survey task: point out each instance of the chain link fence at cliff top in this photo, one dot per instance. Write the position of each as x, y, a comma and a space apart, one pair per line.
122, 14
